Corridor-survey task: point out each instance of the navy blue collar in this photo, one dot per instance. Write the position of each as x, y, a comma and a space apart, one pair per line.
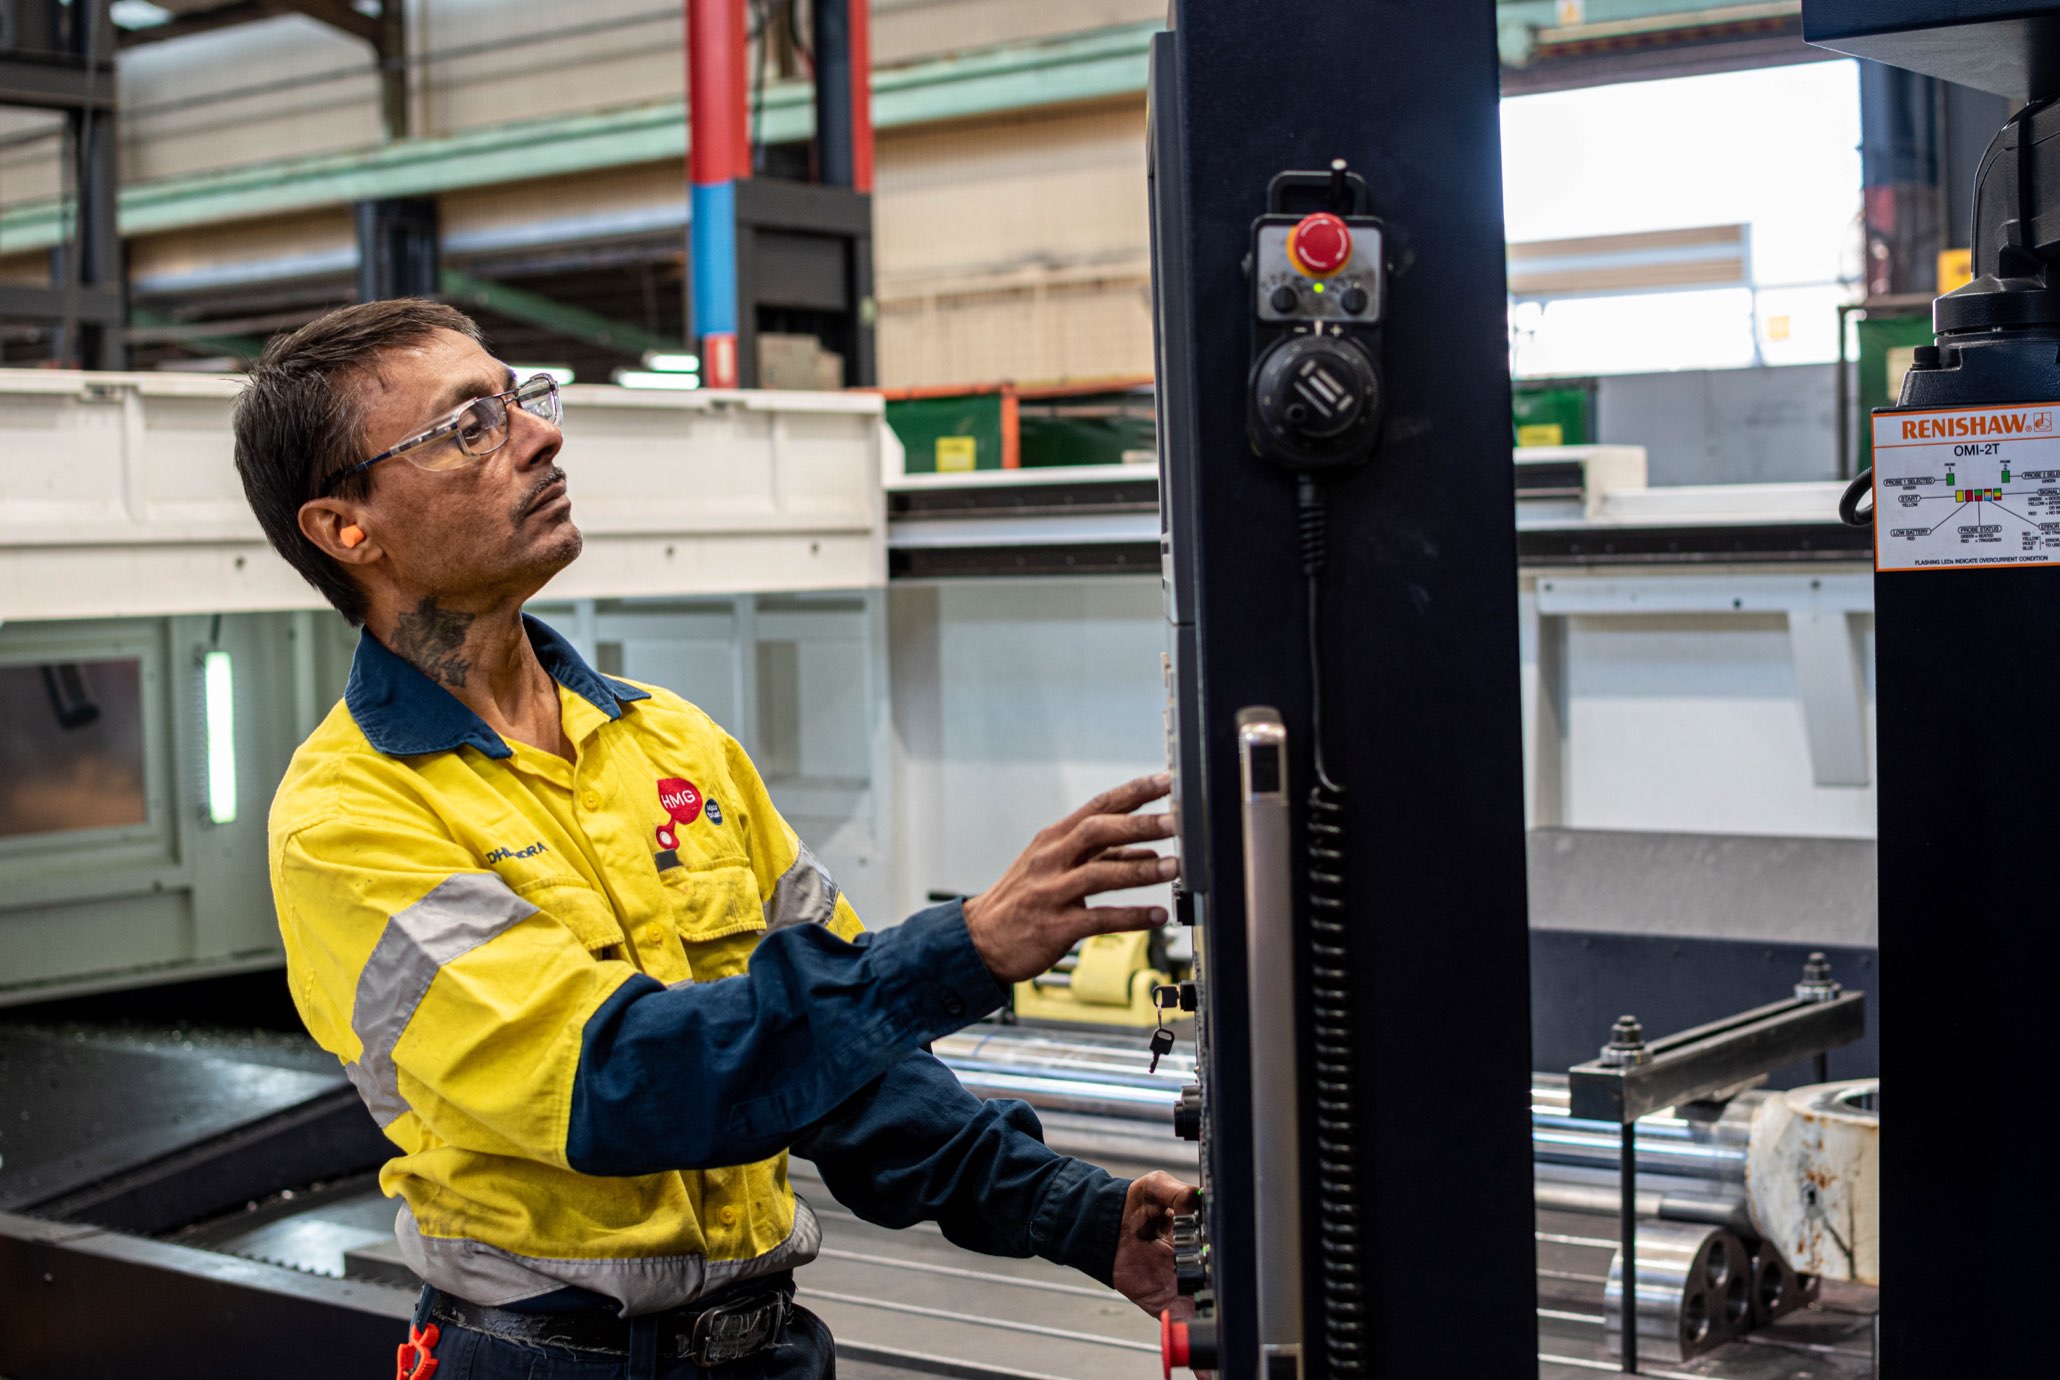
404, 713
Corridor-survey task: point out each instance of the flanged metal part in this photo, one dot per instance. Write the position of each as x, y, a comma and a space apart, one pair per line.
1776, 1287
1694, 1289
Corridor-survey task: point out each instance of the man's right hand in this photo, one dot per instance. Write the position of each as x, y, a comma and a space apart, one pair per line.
1026, 921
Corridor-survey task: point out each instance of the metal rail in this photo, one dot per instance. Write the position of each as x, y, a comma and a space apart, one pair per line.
1105, 1076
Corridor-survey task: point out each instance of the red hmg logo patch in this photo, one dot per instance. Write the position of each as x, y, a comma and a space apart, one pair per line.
681, 799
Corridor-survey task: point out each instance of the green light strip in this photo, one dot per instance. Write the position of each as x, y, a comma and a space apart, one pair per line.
219, 685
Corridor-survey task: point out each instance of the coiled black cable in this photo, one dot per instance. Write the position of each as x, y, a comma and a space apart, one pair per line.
1340, 1238
1849, 502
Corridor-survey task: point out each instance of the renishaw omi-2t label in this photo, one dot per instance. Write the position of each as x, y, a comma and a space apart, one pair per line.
1967, 486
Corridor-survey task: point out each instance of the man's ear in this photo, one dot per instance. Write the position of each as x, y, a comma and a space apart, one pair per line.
340, 530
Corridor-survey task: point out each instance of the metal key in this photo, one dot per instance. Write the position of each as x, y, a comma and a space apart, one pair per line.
1163, 996
1162, 1045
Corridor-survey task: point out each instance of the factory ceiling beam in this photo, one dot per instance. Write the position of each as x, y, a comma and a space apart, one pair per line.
1096, 66
197, 22
1527, 27
45, 81
331, 12
386, 31
338, 15
521, 305
1548, 45
1101, 65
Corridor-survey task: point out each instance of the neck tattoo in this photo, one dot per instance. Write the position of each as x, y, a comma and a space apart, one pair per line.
433, 639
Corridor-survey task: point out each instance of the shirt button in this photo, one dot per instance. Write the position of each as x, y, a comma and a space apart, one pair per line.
655, 934
728, 1216
591, 800
953, 1006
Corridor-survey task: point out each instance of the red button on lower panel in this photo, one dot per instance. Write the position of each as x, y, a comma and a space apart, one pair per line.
1172, 1343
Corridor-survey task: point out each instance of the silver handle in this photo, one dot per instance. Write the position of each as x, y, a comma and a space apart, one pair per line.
1270, 975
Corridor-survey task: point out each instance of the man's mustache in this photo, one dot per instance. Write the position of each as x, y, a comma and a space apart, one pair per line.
536, 491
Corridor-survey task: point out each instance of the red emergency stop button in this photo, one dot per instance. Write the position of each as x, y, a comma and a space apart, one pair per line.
1320, 245
1172, 1342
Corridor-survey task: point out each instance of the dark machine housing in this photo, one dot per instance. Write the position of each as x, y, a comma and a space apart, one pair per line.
1964, 659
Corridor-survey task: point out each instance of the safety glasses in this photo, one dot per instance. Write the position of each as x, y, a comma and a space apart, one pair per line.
477, 430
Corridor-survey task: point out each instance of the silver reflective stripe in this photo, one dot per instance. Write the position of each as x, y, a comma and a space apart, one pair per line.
492, 1277
461, 914
804, 895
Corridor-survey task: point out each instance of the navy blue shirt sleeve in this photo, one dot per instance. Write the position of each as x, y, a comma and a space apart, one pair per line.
916, 1146
721, 1073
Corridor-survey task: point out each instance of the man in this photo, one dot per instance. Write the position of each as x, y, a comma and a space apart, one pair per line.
586, 978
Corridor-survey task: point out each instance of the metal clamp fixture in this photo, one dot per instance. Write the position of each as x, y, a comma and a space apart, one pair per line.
1632, 1077
1707, 1060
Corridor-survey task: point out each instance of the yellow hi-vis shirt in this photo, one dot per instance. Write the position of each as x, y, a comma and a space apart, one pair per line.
457, 912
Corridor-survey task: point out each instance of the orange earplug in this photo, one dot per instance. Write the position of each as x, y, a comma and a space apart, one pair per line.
351, 535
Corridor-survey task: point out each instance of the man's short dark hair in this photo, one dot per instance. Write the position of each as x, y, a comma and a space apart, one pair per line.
301, 421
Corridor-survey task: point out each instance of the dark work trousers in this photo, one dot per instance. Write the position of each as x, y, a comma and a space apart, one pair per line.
802, 1353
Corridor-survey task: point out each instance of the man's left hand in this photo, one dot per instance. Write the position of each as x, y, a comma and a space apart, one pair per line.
1144, 1249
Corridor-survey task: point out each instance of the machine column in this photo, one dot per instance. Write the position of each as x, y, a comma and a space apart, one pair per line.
1418, 647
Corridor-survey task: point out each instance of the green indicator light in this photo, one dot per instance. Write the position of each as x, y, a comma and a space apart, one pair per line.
1315, 287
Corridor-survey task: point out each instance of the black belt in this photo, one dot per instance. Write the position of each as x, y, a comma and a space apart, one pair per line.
738, 1322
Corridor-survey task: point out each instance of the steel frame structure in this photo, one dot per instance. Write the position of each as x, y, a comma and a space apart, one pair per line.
60, 58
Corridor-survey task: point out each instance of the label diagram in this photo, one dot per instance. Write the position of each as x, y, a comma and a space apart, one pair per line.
1967, 486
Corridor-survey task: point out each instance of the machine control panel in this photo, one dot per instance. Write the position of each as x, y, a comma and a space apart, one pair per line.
1316, 274
1321, 268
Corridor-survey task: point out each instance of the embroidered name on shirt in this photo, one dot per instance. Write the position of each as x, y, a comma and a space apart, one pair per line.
503, 854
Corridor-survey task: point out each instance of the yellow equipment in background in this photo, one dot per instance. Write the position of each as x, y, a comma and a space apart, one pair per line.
1106, 980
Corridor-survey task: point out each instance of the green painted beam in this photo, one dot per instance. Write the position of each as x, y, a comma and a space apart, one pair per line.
239, 346
1109, 62
551, 314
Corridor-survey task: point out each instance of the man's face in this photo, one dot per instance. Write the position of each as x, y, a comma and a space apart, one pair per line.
497, 526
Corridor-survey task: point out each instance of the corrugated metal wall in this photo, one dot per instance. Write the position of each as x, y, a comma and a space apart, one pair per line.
1015, 249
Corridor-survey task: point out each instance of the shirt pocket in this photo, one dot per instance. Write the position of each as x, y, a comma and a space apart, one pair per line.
580, 909
718, 914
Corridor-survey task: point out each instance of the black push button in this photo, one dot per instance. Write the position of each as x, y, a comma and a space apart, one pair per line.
1354, 300
1285, 298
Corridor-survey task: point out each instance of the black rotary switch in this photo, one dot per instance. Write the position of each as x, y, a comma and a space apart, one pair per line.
1354, 300
1318, 401
1187, 1113
1285, 298
1190, 1254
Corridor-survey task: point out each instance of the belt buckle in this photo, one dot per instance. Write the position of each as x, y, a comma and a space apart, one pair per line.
732, 1331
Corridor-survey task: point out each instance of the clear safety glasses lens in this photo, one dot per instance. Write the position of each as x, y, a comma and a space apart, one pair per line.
538, 396
481, 428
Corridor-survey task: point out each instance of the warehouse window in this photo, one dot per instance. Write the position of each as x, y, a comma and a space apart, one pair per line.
71, 747
1697, 223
